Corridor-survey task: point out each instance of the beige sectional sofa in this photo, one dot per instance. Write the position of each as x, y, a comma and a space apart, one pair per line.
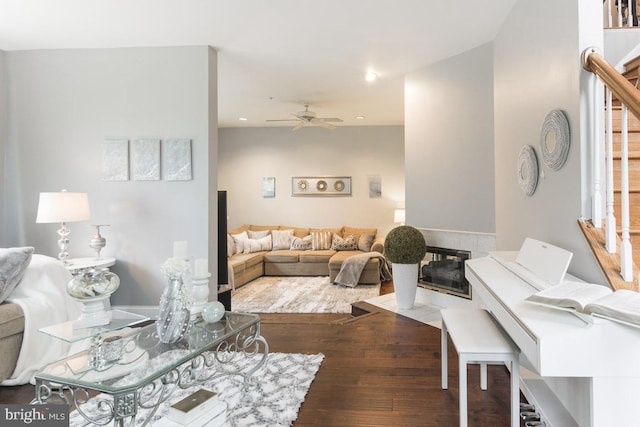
260, 259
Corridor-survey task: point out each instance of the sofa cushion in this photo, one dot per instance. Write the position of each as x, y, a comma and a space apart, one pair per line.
301, 244
336, 261
248, 260
281, 239
263, 227
257, 245
346, 244
239, 230
239, 239
282, 256
297, 231
258, 234
366, 241
357, 232
316, 256
13, 264
11, 319
321, 240
236, 265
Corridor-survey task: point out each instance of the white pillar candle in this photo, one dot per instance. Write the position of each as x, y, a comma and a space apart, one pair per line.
181, 249
201, 267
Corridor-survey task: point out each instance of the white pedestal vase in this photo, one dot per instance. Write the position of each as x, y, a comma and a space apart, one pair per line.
405, 284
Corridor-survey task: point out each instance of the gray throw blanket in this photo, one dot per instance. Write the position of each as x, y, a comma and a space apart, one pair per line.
349, 274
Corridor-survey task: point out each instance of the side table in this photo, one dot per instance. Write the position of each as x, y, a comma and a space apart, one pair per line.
75, 265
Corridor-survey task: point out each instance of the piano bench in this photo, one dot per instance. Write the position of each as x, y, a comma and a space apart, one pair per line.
478, 339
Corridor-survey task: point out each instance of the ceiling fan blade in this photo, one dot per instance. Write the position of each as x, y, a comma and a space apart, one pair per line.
298, 126
329, 119
282, 120
325, 125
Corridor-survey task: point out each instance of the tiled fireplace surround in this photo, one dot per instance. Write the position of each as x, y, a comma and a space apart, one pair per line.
428, 302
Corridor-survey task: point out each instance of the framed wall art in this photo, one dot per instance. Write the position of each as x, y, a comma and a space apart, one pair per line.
177, 159
321, 186
268, 186
115, 160
145, 159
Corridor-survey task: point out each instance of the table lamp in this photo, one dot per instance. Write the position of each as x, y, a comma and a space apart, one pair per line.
63, 207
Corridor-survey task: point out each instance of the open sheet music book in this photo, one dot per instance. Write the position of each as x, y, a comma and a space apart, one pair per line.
620, 306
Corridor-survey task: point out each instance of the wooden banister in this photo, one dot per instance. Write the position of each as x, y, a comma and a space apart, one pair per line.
621, 87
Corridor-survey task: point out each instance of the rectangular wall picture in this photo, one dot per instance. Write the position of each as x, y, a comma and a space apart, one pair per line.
321, 186
145, 159
269, 186
177, 159
375, 186
115, 160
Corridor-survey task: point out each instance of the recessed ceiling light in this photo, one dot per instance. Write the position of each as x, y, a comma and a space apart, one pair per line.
359, 117
243, 119
370, 76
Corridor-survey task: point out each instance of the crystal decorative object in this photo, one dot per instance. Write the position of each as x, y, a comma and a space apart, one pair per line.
93, 283
173, 314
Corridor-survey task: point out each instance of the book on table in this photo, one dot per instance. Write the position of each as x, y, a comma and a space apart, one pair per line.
621, 306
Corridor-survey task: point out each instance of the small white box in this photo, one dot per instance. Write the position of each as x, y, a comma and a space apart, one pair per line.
211, 418
192, 407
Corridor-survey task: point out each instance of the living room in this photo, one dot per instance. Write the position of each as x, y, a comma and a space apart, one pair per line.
452, 162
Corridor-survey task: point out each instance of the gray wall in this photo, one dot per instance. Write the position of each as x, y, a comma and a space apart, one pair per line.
537, 69
61, 106
249, 154
449, 143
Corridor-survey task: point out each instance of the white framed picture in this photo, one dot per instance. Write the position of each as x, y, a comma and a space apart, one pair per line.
177, 159
145, 159
268, 186
115, 160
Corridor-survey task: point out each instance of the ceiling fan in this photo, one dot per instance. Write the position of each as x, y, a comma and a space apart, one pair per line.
308, 118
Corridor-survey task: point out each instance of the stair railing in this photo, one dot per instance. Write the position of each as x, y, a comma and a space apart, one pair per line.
629, 96
620, 13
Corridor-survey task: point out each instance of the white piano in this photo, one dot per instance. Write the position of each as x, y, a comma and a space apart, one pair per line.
578, 373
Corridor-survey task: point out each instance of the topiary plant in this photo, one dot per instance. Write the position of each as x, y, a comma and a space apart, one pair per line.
405, 245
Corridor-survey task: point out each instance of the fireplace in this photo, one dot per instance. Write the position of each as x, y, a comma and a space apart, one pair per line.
442, 270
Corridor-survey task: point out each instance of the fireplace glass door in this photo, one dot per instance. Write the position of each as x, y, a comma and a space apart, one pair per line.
443, 270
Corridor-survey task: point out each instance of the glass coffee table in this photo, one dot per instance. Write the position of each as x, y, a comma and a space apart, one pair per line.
133, 369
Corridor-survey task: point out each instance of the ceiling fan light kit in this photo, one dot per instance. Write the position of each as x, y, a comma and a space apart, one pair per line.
308, 118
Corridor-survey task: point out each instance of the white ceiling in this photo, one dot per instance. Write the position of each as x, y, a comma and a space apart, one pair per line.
274, 55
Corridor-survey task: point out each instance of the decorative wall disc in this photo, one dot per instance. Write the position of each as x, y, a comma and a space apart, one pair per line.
555, 139
527, 170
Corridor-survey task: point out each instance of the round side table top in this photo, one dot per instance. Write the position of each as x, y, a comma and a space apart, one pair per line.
90, 262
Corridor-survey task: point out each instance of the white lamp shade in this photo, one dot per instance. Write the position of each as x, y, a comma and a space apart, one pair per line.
63, 207
398, 216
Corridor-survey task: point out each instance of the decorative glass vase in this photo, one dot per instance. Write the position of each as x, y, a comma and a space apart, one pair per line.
93, 283
173, 315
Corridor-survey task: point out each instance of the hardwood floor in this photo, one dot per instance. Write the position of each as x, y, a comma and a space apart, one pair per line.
380, 369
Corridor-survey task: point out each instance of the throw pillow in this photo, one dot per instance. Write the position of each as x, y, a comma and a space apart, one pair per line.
231, 246
281, 239
239, 239
301, 244
13, 264
346, 244
366, 241
257, 245
258, 234
320, 240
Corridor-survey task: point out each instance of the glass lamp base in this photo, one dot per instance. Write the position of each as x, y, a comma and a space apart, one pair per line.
93, 313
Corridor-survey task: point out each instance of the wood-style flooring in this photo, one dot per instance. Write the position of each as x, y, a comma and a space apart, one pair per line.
380, 369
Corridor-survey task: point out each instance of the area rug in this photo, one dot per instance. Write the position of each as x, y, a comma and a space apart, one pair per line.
298, 295
276, 393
